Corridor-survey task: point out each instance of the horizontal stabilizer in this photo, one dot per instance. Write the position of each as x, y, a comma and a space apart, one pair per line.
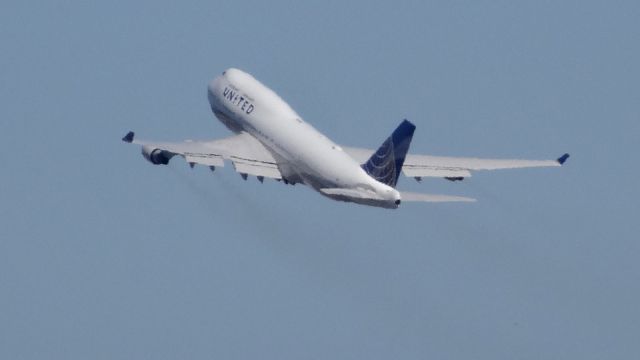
351, 193
417, 197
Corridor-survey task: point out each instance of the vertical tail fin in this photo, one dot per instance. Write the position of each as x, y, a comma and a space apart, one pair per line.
385, 164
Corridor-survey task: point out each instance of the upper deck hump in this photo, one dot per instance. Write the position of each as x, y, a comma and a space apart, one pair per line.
258, 91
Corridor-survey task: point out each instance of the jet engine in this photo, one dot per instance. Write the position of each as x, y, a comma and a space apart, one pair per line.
156, 156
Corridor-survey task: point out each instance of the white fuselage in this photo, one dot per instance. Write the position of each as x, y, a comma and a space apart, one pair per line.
304, 154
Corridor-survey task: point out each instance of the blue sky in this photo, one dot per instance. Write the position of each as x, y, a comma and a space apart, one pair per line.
103, 255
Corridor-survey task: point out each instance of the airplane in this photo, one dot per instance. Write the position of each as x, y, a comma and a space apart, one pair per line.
272, 141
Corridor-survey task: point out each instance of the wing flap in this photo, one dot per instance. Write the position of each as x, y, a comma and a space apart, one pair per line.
256, 168
421, 171
204, 159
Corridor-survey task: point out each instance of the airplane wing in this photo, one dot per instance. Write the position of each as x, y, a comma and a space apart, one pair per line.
248, 155
454, 168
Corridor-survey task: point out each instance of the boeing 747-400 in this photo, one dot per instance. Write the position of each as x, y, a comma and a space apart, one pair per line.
272, 141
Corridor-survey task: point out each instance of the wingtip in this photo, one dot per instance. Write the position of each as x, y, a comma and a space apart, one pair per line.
562, 159
129, 137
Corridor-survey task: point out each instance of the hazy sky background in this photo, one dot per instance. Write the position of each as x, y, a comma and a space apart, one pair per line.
104, 256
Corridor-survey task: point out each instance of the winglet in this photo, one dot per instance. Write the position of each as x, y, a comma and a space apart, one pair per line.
562, 159
129, 137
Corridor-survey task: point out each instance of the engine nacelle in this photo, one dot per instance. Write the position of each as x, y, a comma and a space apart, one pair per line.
156, 156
